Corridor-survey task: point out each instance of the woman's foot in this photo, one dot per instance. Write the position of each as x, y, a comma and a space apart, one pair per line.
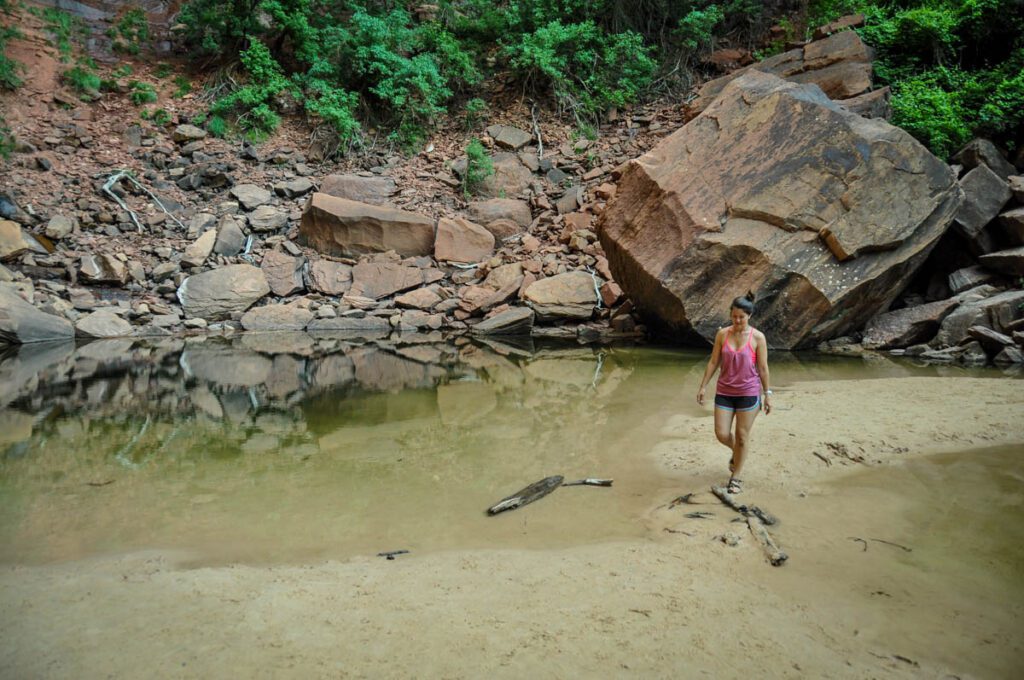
735, 485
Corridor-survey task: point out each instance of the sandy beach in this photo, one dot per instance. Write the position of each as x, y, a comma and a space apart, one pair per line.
678, 603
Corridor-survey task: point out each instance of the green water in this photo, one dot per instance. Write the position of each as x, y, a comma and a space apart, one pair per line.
288, 448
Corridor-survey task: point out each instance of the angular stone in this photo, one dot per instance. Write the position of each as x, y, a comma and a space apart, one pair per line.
569, 201
164, 270
778, 190
276, 317
870, 104
514, 321
969, 277
907, 326
485, 212
14, 241
103, 269
21, 323
60, 226
200, 249
1011, 223
337, 226
981, 306
499, 277
1009, 355
267, 218
510, 177
219, 293
460, 240
1009, 261
983, 152
508, 137
840, 65
330, 278
421, 298
283, 272
293, 188
566, 296
230, 236
985, 194
378, 280
187, 133
372, 190
1016, 183
102, 324
992, 341
250, 196
372, 325
842, 23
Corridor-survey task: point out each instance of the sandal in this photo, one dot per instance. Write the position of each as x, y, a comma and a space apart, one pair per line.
735, 485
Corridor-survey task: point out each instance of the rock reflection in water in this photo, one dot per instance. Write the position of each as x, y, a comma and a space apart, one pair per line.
330, 442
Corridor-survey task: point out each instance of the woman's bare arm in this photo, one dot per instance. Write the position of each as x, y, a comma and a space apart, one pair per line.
762, 369
713, 362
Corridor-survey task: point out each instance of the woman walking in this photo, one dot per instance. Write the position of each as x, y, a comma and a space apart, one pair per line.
741, 352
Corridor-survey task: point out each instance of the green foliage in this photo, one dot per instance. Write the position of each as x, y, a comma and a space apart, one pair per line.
695, 32
182, 86
141, 93
266, 82
6, 140
478, 167
163, 70
475, 113
9, 68
217, 126
159, 117
63, 27
130, 32
82, 78
587, 69
122, 71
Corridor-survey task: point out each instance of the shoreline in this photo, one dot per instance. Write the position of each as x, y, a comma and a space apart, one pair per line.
663, 606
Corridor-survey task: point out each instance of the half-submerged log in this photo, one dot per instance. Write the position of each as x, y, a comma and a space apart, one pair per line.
528, 495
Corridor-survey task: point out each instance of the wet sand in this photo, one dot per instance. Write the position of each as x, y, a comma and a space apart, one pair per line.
665, 605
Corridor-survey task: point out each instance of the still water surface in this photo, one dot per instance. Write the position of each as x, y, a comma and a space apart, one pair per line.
285, 448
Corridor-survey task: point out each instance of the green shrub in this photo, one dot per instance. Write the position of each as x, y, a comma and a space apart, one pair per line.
182, 86
475, 113
587, 69
63, 27
478, 167
163, 70
159, 117
130, 32
695, 32
217, 126
122, 71
141, 93
932, 114
9, 68
82, 78
255, 99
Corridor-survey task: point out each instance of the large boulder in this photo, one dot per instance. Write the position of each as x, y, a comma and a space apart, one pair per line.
985, 194
22, 323
981, 306
776, 189
338, 226
276, 318
14, 241
839, 64
377, 280
283, 272
510, 177
102, 323
219, 293
907, 326
1010, 261
983, 152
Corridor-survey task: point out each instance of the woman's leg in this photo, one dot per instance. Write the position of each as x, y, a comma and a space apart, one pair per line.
744, 423
723, 426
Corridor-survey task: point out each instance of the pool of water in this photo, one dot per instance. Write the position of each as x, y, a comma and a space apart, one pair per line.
284, 448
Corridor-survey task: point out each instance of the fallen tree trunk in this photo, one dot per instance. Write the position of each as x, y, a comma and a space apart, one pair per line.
745, 510
531, 493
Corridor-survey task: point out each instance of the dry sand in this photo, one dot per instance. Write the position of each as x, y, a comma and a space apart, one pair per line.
670, 605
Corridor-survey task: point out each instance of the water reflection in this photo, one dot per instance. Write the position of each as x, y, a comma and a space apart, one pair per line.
290, 446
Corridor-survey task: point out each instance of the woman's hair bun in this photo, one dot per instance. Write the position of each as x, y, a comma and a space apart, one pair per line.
750, 295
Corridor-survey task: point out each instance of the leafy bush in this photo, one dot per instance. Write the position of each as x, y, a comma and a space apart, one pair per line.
63, 26
82, 78
694, 33
9, 68
587, 69
182, 86
141, 93
478, 167
130, 32
163, 70
475, 113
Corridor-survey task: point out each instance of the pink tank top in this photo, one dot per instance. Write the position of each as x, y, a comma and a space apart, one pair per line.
738, 376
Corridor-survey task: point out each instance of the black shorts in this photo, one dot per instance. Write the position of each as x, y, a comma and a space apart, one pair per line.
727, 403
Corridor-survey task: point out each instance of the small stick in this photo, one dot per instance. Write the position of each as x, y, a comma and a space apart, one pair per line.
895, 545
109, 481
679, 500
590, 481
827, 461
775, 555
390, 555
700, 514
861, 540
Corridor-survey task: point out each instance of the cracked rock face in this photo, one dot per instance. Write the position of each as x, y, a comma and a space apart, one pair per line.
776, 189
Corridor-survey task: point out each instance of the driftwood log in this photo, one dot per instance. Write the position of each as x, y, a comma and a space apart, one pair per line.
590, 481
535, 491
745, 510
756, 521
775, 555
